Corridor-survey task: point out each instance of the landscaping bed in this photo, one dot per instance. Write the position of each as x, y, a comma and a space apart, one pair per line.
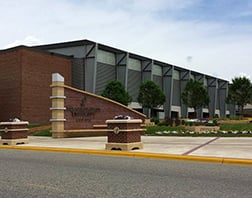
225, 130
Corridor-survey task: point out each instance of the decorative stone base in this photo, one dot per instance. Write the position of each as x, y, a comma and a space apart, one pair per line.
124, 146
14, 141
200, 129
58, 134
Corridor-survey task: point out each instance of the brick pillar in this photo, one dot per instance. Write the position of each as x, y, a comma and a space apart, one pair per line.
58, 108
124, 134
13, 133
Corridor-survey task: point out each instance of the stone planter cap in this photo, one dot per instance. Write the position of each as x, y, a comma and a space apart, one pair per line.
14, 123
124, 121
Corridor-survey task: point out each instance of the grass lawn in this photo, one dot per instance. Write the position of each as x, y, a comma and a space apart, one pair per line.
236, 127
46, 133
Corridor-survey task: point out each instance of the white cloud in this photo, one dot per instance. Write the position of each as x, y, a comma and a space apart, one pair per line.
28, 40
245, 75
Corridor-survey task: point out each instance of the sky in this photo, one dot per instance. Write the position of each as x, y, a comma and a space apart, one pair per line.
213, 37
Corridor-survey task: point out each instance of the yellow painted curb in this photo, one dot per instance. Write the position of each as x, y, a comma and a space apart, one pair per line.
219, 160
237, 161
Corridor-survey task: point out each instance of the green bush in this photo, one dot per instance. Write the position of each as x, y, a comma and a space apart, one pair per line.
163, 123
177, 122
169, 121
183, 122
212, 123
155, 120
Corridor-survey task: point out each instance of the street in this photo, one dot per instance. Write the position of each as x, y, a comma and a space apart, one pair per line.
49, 174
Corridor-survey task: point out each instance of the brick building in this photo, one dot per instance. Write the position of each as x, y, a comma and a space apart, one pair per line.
25, 77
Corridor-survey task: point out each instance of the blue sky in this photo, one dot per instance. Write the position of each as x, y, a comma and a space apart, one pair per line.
209, 36
227, 11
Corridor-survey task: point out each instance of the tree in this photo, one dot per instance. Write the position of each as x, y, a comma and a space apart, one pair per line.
240, 92
115, 90
150, 95
195, 95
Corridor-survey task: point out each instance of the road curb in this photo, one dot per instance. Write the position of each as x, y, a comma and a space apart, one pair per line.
219, 160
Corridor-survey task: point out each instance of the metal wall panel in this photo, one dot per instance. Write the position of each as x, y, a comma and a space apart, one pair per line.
104, 74
158, 81
157, 70
78, 71
218, 100
176, 74
77, 52
134, 82
134, 64
106, 57
176, 93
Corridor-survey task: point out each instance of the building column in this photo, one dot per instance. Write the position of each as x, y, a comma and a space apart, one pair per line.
58, 107
122, 60
184, 78
147, 66
223, 87
200, 78
90, 58
212, 90
168, 88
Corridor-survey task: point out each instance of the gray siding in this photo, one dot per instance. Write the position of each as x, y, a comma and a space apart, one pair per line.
78, 71
218, 99
134, 82
158, 81
77, 52
176, 93
105, 73
106, 57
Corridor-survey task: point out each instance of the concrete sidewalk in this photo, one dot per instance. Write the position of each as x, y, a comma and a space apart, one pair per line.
236, 149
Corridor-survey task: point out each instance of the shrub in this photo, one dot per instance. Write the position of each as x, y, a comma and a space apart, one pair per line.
212, 123
183, 122
177, 122
155, 120
163, 123
169, 121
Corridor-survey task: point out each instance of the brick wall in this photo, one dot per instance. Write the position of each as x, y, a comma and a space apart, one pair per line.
85, 110
37, 69
28, 83
10, 82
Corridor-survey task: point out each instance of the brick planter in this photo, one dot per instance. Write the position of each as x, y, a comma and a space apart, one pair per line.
124, 134
13, 133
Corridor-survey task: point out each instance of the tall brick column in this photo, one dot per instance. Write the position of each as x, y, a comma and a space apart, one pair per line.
58, 108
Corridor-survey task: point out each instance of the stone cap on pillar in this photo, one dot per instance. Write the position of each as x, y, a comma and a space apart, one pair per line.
124, 121
14, 123
56, 77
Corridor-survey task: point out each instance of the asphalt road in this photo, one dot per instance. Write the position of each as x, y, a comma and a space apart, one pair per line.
47, 174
